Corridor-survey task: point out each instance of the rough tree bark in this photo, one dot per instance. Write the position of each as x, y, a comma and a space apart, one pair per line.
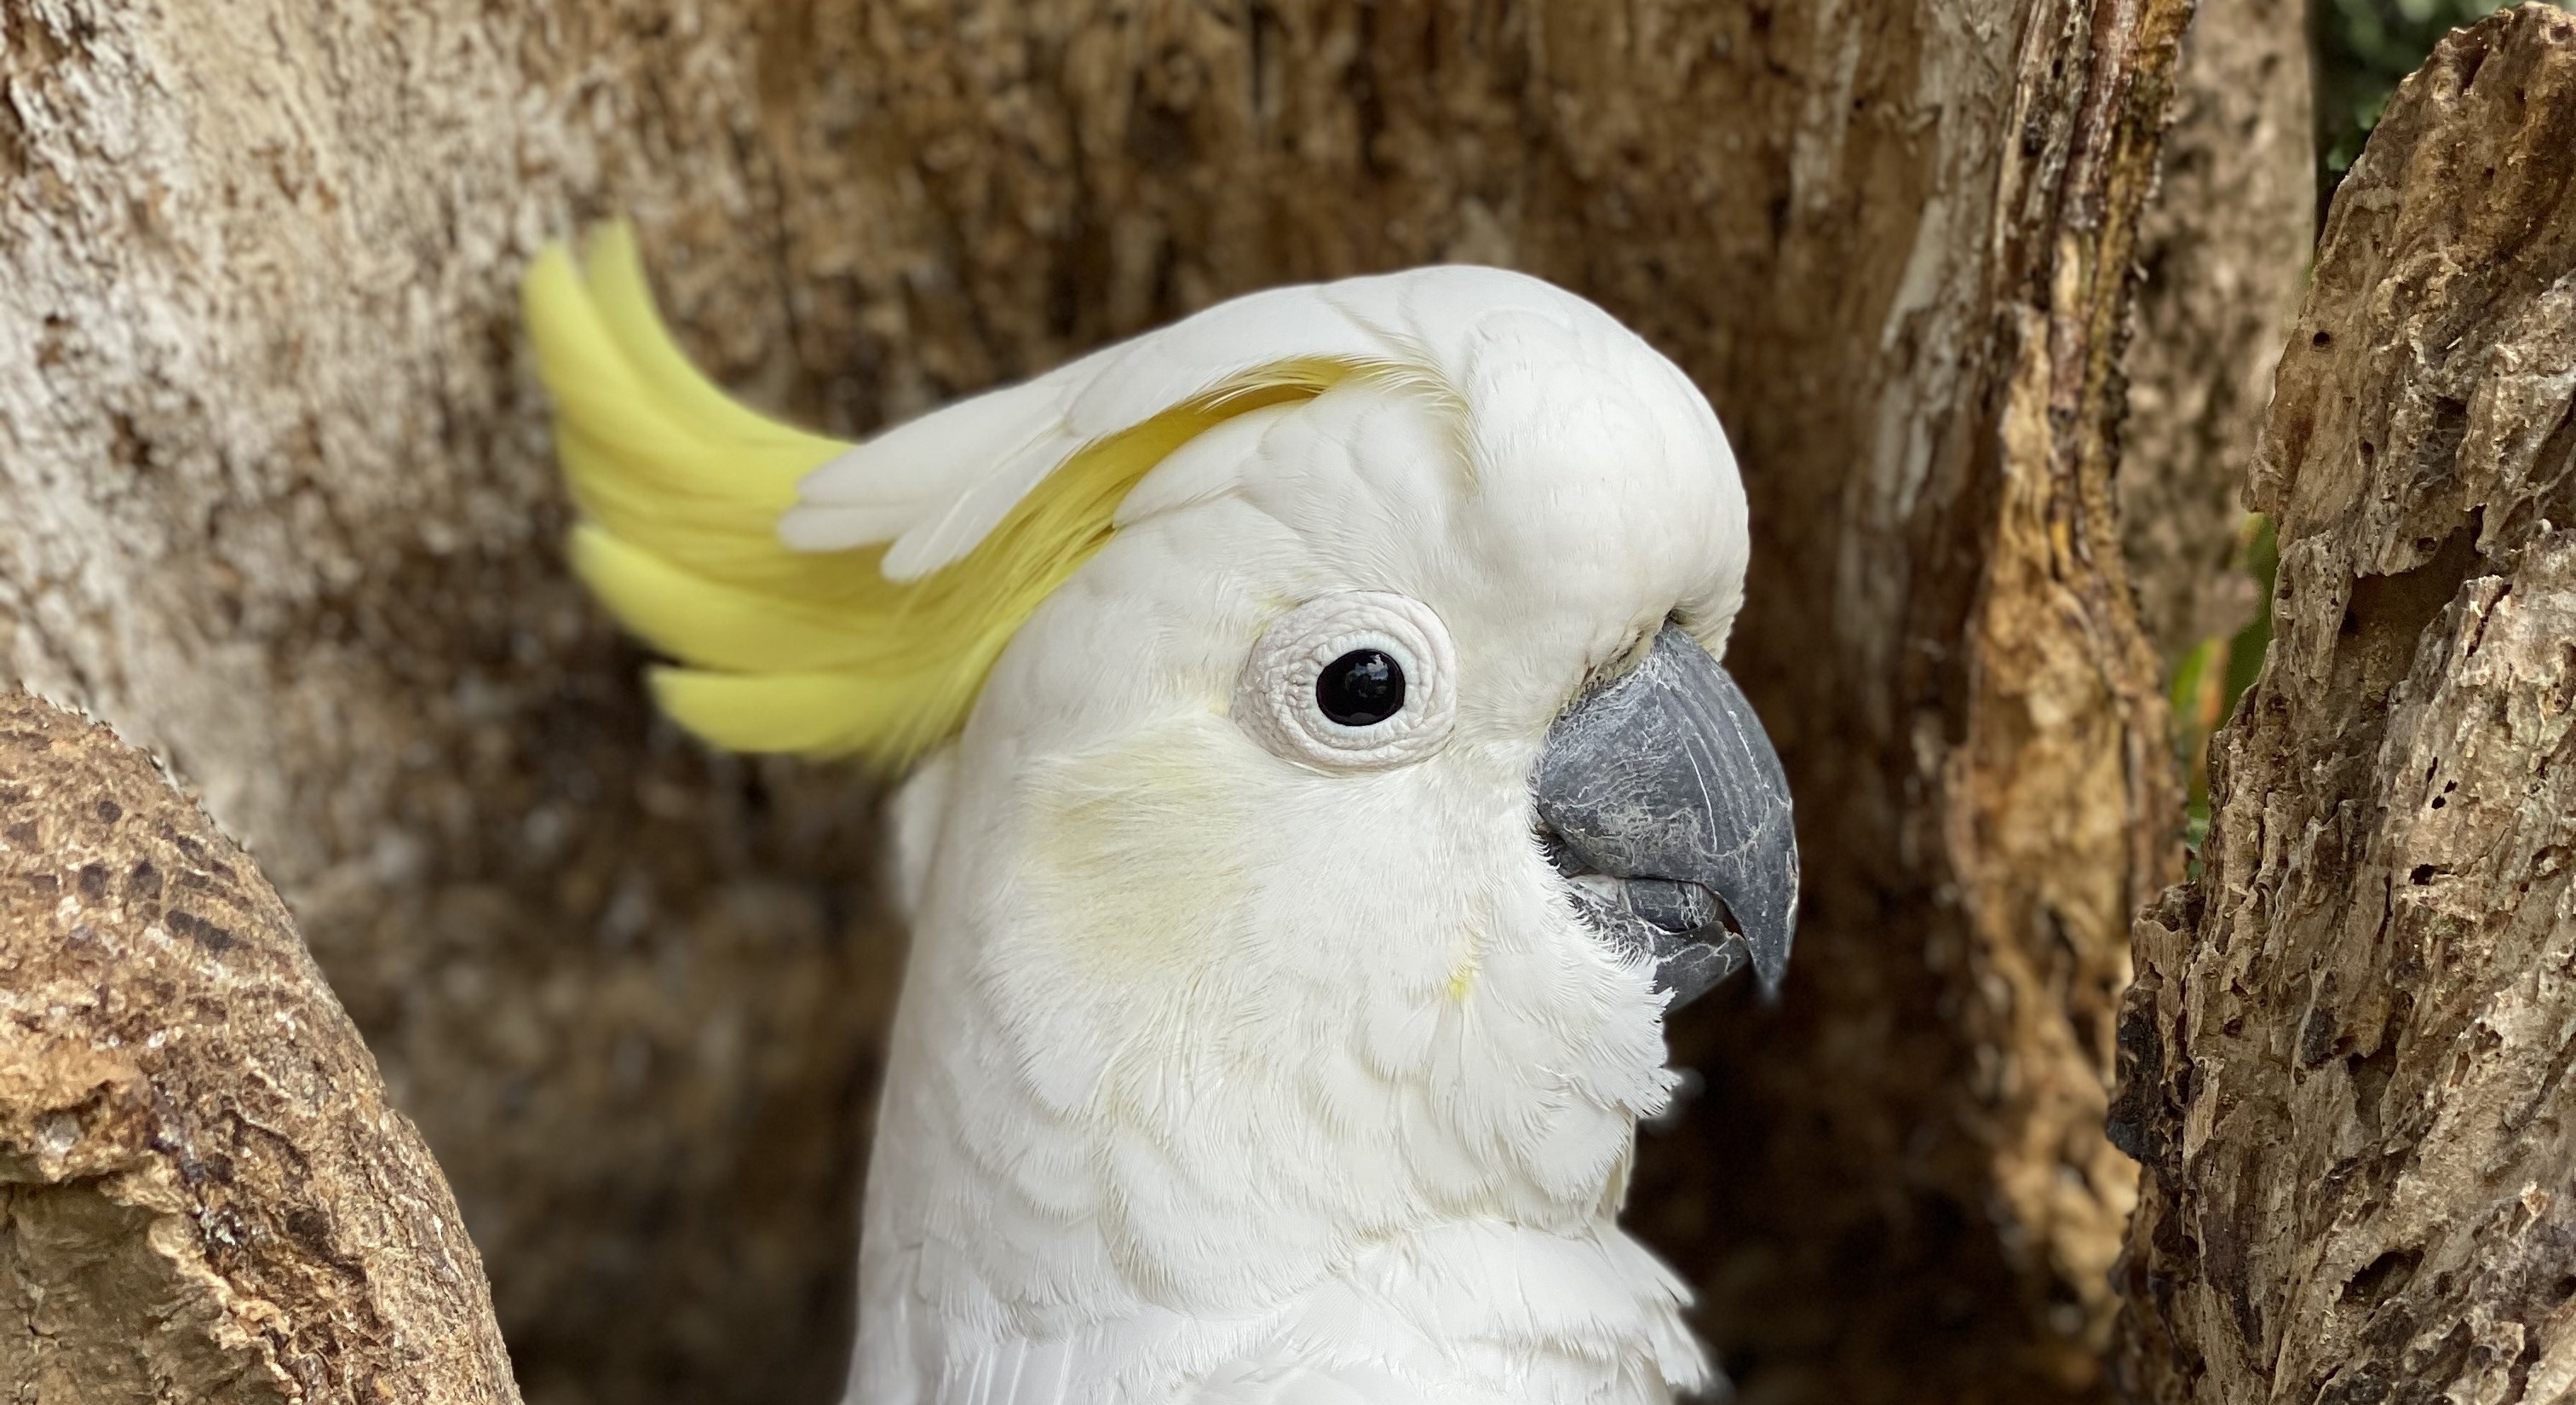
2346, 1059
2223, 255
204, 1193
274, 498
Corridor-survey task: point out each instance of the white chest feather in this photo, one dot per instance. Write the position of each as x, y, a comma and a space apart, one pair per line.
1470, 1313
1164, 1125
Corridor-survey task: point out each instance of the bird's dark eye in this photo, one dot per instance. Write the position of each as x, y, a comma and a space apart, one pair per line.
1361, 688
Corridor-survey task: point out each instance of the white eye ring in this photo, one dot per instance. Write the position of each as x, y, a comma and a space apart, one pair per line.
1274, 695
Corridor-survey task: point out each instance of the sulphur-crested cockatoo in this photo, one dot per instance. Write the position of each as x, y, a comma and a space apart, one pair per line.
1321, 786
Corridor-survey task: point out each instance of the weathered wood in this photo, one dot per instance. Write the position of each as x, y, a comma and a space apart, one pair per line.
205, 1194
2346, 1057
2224, 257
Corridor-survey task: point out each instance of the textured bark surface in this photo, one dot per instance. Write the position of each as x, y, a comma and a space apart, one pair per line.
274, 497
2224, 256
204, 1193
2347, 1055
277, 502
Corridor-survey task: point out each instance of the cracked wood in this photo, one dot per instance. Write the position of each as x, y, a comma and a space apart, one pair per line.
2346, 1057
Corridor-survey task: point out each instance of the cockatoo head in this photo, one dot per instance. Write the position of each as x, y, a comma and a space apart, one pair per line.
1333, 782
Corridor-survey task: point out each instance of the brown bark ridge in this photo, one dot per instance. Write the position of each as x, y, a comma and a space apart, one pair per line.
274, 497
2346, 1057
2223, 253
205, 1194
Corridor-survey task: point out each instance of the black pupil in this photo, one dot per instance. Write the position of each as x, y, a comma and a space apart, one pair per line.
1361, 688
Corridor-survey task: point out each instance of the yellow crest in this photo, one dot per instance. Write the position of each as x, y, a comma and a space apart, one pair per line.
680, 491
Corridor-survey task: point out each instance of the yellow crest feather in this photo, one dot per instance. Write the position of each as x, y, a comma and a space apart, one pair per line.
681, 489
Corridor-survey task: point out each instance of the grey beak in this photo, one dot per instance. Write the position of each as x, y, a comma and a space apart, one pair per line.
1661, 791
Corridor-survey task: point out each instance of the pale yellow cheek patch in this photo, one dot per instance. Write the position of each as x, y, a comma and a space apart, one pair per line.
1140, 850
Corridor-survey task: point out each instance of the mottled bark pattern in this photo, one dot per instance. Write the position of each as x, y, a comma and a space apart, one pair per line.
2056, 804
2224, 257
204, 1193
274, 497
2347, 1055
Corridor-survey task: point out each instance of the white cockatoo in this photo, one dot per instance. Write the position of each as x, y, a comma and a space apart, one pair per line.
1320, 786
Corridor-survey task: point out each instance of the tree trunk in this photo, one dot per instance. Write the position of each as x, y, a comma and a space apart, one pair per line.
2222, 254
277, 502
2346, 1058
204, 1193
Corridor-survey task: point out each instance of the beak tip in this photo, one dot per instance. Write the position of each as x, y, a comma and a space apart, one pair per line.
1770, 976
1770, 949
1764, 900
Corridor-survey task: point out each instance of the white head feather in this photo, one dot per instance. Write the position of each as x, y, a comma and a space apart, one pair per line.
1222, 1070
